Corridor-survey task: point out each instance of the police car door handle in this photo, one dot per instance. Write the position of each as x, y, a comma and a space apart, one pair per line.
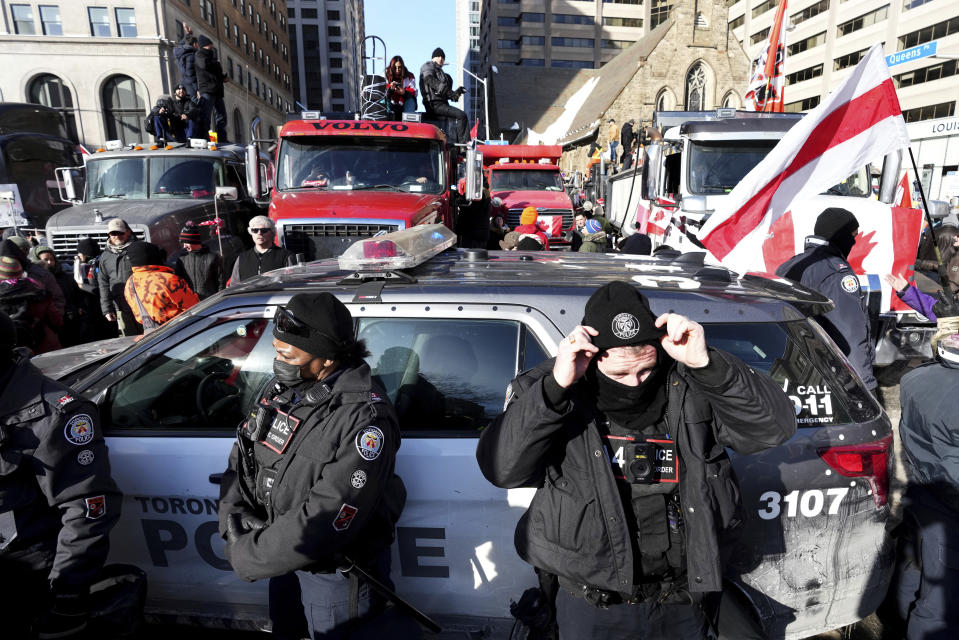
216, 478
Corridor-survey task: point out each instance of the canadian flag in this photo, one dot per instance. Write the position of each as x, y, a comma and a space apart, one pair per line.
767, 80
859, 121
903, 194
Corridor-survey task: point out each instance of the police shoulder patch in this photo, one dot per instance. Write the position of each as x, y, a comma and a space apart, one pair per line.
850, 283
358, 479
369, 443
79, 429
96, 507
85, 457
64, 400
344, 517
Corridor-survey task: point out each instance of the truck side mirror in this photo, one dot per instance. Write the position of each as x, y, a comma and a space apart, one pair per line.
578, 179
474, 174
889, 181
70, 183
226, 193
254, 185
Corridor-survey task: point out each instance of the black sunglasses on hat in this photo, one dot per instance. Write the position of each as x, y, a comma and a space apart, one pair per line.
285, 321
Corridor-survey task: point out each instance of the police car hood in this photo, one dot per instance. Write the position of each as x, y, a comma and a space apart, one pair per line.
133, 211
61, 363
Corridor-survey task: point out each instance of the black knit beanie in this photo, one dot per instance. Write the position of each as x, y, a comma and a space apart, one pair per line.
89, 248
438, 53
190, 234
329, 325
204, 41
622, 316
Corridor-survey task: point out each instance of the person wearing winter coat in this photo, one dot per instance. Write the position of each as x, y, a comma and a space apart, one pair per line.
594, 238
186, 115
185, 54
162, 120
633, 536
30, 308
112, 277
400, 89
198, 266
528, 227
86, 265
209, 79
19, 248
437, 88
154, 288
72, 331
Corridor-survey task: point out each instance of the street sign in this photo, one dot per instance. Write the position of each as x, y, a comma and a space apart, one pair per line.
912, 53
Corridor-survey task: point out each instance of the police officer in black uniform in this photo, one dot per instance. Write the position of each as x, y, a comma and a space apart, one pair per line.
823, 267
311, 485
623, 434
58, 501
928, 428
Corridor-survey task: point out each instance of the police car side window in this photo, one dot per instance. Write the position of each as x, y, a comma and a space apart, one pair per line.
445, 377
783, 351
205, 382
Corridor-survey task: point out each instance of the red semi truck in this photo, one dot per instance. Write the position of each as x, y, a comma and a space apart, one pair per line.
339, 181
529, 175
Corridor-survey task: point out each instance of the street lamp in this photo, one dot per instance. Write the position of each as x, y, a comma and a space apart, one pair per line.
485, 96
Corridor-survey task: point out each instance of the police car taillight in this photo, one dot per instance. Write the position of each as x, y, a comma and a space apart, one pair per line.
398, 250
868, 460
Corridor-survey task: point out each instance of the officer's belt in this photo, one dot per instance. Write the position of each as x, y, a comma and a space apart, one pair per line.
653, 592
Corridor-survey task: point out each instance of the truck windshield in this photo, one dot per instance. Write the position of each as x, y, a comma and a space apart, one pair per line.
525, 180
169, 177
717, 167
359, 163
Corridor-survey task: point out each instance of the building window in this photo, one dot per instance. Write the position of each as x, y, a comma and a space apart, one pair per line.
738, 22
731, 101
336, 63
804, 74
226, 26
849, 59
622, 22
623, 1
659, 13
332, 15
532, 17
229, 66
99, 22
759, 35
126, 23
808, 43
333, 31
762, 8
862, 21
928, 74
338, 94
531, 62
22, 19
912, 4
533, 41
336, 78
573, 42
664, 100
246, 44
617, 44
505, 21
49, 90
696, 88
572, 64
801, 105
507, 44
237, 126
809, 12
50, 20
927, 34
308, 14
568, 18
236, 35
336, 46
123, 109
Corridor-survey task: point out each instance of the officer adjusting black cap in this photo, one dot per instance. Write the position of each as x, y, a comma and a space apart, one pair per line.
317, 323
621, 315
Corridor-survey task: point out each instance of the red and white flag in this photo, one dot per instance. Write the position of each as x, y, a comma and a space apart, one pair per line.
858, 122
767, 80
903, 194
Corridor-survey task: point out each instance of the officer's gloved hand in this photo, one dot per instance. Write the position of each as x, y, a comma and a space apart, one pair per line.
66, 615
240, 524
948, 305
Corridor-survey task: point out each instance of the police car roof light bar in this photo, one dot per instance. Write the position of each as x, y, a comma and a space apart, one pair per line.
398, 250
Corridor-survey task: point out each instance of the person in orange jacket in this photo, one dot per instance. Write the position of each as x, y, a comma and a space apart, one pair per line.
163, 294
528, 227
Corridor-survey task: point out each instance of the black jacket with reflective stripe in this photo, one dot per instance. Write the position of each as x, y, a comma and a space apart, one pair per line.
575, 526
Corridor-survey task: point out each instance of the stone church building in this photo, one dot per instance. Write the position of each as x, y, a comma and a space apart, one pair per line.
689, 62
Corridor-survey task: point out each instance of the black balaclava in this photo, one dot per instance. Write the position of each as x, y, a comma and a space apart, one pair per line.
634, 408
836, 226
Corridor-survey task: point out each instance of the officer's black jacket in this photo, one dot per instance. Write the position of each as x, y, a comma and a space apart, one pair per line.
54, 475
314, 487
929, 396
821, 267
575, 525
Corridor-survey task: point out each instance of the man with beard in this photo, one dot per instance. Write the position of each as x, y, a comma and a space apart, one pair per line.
115, 270
823, 266
631, 537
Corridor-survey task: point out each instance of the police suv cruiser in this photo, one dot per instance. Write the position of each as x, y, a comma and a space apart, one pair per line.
813, 554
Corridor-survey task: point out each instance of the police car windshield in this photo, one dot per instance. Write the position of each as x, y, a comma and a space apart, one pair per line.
526, 180
168, 176
353, 163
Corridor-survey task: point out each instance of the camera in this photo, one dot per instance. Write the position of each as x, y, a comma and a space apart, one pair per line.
641, 463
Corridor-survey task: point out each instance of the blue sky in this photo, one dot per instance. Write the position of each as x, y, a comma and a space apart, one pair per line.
412, 29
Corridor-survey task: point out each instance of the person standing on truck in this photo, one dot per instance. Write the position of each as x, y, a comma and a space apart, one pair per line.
928, 430
58, 501
823, 267
626, 139
265, 254
310, 485
198, 266
401, 88
185, 54
209, 80
613, 137
115, 270
437, 88
632, 536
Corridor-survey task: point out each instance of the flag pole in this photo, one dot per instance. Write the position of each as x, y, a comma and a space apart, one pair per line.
932, 232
